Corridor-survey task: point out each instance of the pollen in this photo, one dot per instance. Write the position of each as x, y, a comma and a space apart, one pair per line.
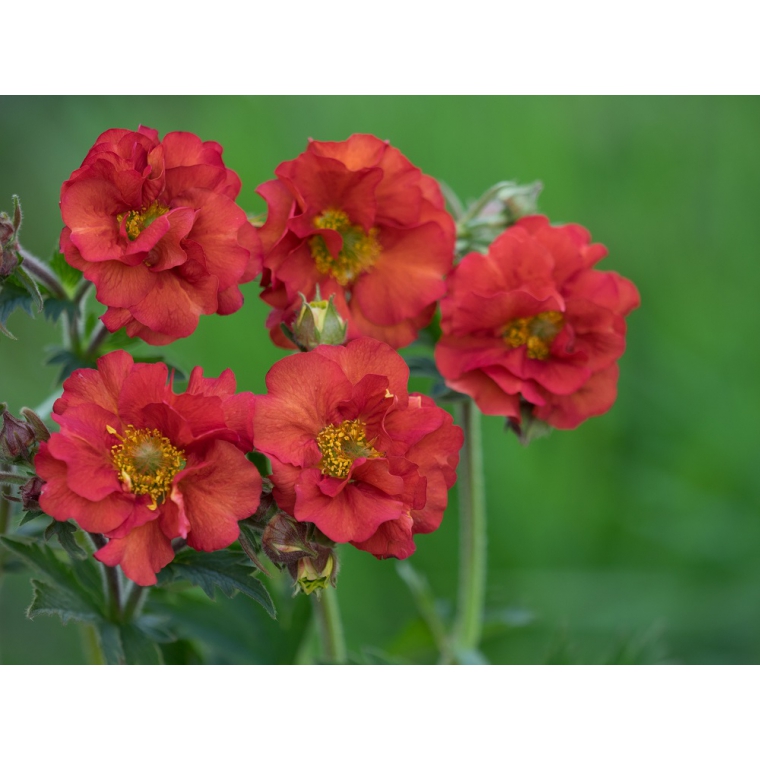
359, 252
535, 333
146, 462
137, 221
341, 445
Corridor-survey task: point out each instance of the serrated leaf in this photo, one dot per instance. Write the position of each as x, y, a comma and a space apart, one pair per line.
13, 296
54, 307
31, 287
30, 515
116, 340
82, 578
222, 570
67, 274
65, 532
69, 362
52, 599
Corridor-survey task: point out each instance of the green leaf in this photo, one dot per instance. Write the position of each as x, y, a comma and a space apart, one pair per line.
69, 362
31, 286
68, 276
30, 515
110, 642
13, 296
65, 532
51, 599
155, 628
54, 307
138, 648
223, 570
82, 578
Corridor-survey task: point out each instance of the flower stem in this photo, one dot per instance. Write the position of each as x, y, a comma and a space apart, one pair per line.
113, 586
99, 334
330, 626
468, 625
134, 601
43, 274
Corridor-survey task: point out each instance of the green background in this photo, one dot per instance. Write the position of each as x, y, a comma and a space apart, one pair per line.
631, 539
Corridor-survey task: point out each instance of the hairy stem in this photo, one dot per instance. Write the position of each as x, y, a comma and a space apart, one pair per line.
468, 625
99, 334
113, 585
330, 626
42, 273
135, 599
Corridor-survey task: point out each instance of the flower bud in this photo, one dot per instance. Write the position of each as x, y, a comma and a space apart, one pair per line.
30, 493
16, 438
7, 230
314, 574
318, 324
285, 540
40, 430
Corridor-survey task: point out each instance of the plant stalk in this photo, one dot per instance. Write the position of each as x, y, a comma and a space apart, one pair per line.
42, 273
113, 586
468, 625
330, 626
134, 601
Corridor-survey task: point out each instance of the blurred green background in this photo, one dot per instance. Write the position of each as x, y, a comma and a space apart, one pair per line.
631, 539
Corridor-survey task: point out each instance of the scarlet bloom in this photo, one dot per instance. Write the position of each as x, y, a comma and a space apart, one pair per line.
532, 321
352, 451
154, 224
143, 465
359, 220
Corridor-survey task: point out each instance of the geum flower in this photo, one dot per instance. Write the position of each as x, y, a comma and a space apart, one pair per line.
143, 465
533, 325
359, 220
155, 226
352, 451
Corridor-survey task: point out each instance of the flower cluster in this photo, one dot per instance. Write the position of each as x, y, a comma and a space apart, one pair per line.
352, 451
143, 465
532, 322
154, 224
357, 219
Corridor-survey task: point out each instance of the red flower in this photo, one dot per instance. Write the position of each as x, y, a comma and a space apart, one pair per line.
352, 451
532, 320
143, 465
359, 220
155, 226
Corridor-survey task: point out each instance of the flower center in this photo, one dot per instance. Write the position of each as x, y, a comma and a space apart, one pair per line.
146, 462
137, 221
359, 251
536, 333
341, 445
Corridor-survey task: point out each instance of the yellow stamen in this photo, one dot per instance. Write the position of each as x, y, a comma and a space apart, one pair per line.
536, 333
146, 462
358, 254
341, 445
137, 221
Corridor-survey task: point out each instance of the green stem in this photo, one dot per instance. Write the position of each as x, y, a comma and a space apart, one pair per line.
468, 625
134, 601
99, 334
42, 273
330, 626
113, 586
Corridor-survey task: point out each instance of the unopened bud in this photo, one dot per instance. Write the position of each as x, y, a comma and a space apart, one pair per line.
7, 230
30, 493
285, 540
314, 574
16, 438
318, 324
40, 430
